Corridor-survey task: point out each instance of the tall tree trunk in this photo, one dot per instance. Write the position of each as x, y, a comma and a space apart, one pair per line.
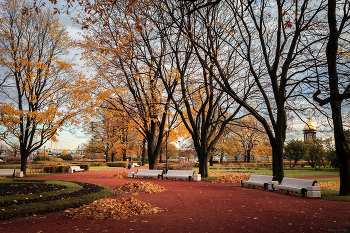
143, 154
124, 154
152, 158
342, 148
24, 158
248, 156
160, 154
203, 163
277, 161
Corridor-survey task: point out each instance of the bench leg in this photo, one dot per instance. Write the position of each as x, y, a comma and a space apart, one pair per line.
265, 186
303, 191
189, 178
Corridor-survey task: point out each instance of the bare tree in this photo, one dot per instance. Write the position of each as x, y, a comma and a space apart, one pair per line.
128, 56
271, 38
337, 83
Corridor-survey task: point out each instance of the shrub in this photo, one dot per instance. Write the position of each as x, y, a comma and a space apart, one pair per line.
55, 159
12, 159
118, 164
185, 166
66, 157
94, 156
177, 165
77, 157
196, 164
332, 157
94, 164
41, 158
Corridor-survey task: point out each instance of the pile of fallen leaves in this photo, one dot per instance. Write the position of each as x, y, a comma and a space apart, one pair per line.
109, 208
140, 187
329, 185
119, 175
229, 177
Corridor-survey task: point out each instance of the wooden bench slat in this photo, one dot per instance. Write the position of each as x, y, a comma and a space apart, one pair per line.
7, 172
151, 173
258, 180
179, 174
294, 185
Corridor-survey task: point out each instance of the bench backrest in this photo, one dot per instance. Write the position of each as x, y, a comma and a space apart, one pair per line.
301, 183
180, 172
149, 172
261, 178
75, 167
6, 172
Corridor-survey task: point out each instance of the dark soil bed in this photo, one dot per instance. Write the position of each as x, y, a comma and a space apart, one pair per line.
38, 186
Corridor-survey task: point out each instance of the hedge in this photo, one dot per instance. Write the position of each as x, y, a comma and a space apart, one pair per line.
118, 164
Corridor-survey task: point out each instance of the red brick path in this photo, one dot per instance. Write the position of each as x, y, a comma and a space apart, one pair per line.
198, 207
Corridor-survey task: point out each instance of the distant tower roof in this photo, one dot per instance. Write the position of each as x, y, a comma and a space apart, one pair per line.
309, 125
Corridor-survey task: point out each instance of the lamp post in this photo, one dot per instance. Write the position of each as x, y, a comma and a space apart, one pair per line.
166, 149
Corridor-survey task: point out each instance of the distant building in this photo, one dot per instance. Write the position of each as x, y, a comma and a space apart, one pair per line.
309, 130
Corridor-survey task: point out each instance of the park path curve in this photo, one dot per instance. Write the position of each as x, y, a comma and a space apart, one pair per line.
197, 207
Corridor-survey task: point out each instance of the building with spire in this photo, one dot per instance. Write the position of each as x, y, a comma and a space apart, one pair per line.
309, 131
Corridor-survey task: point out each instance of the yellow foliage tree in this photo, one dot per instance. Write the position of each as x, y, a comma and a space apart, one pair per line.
252, 138
42, 93
64, 152
44, 153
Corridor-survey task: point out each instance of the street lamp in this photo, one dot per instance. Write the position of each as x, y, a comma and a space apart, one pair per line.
166, 149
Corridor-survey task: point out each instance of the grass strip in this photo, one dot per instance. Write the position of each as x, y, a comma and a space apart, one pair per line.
332, 195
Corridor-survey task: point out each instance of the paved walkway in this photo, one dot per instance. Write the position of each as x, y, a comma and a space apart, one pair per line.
198, 207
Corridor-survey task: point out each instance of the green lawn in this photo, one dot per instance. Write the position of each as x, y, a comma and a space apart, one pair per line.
298, 172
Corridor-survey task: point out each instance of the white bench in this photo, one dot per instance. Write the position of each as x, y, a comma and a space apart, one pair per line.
294, 185
7, 172
179, 174
73, 169
135, 165
258, 180
150, 173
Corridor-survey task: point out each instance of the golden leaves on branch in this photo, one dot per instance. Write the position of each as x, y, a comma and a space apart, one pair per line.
119, 175
140, 187
109, 208
329, 185
228, 177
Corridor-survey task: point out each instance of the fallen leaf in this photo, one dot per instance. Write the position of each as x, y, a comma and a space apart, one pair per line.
140, 187
229, 177
109, 208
